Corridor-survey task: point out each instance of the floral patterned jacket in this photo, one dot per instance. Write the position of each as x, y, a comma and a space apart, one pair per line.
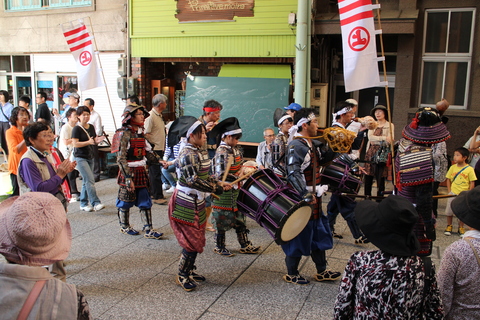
377, 285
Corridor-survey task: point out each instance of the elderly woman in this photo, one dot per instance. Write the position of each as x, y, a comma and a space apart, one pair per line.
16, 143
392, 282
29, 244
36, 171
460, 266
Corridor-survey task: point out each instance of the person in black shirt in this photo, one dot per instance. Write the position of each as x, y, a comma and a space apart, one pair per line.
83, 137
43, 112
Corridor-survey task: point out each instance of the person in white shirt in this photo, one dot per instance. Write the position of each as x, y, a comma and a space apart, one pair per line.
66, 148
96, 122
264, 153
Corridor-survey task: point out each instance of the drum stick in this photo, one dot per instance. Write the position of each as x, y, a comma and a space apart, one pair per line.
440, 196
245, 176
227, 169
361, 196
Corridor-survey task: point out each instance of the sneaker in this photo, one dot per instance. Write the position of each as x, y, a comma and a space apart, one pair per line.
250, 249
130, 231
186, 283
336, 235
362, 240
327, 275
74, 198
223, 252
461, 231
99, 207
165, 186
170, 190
87, 208
448, 230
153, 234
297, 279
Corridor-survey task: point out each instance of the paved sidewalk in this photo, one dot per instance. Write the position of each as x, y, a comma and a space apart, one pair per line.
130, 277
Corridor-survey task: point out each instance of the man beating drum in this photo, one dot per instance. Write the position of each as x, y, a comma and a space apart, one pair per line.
304, 160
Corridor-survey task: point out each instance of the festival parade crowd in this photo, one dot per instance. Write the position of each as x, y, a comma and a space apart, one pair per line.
198, 161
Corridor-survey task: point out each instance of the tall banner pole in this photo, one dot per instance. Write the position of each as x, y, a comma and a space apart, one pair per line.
387, 96
101, 69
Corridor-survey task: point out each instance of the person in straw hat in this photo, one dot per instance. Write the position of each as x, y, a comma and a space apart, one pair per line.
35, 233
392, 282
460, 266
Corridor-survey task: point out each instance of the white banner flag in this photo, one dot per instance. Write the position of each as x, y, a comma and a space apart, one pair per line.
360, 62
80, 43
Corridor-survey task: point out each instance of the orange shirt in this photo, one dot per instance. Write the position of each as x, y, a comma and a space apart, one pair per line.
14, 136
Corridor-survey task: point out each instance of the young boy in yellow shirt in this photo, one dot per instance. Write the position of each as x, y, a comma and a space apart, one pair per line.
460, 177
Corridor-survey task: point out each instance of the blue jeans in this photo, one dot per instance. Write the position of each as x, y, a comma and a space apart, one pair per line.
85, 167
167, 176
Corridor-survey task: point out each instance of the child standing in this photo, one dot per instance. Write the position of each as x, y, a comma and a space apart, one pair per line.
225, 211
460, 177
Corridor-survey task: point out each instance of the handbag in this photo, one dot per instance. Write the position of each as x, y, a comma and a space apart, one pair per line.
381, 156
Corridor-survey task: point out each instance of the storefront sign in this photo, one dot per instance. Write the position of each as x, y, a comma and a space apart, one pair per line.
213, 10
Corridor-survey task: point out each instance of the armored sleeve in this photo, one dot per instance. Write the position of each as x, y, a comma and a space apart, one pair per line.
122, 154
219, 164
296, 153
190, 165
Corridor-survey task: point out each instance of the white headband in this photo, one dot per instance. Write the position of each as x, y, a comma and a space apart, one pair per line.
232, 132
293, 130
192, 128
285, 117
343, 111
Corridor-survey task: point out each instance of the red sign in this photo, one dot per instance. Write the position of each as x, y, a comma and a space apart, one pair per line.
85, 58
358, 39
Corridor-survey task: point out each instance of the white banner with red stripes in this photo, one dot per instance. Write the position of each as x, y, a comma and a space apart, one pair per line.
360, 61
80, 43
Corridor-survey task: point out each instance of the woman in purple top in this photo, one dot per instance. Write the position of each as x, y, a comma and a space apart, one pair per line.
36, 172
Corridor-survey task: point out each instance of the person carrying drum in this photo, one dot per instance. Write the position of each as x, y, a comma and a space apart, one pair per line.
186, 209
133, 153
343, 204
304, 159
280, 144
225, 211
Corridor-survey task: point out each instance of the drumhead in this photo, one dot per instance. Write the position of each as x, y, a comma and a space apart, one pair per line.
296, 222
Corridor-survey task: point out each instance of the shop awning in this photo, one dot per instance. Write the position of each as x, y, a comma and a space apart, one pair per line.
278, 71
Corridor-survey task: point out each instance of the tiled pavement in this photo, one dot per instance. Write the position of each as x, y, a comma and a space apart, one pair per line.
130, 277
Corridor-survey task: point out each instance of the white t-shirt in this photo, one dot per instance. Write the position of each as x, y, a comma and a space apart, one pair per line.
96, 122
65, 133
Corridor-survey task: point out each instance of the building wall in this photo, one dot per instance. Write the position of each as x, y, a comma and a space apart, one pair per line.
462, 123
40, 31
156, 32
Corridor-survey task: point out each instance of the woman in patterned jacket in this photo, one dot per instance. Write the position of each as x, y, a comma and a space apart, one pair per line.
186, 209
393, 282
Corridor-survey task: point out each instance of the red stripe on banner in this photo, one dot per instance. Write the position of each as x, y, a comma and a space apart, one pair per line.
71, 32
80, 46
359, 16
355, 5
83, 36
